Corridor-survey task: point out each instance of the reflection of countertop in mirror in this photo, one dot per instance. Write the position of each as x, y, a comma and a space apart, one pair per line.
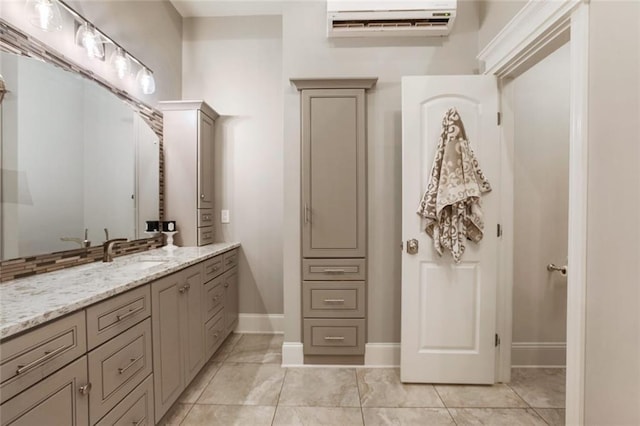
27, 302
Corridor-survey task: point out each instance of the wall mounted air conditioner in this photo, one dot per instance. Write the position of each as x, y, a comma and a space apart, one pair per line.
359, 18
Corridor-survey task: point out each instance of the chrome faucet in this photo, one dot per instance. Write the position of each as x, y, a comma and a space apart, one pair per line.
107, 246
83, 243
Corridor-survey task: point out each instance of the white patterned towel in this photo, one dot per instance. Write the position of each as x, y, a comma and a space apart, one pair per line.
451, 203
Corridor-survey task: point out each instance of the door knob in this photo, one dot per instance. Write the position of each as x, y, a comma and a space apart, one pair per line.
412, 246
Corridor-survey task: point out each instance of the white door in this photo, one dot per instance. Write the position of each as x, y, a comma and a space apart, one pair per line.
448, 310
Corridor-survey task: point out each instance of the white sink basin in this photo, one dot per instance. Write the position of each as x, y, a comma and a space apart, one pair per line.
141, 265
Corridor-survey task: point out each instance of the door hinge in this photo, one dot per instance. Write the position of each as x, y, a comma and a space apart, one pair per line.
499, 230
497, 341
499, 118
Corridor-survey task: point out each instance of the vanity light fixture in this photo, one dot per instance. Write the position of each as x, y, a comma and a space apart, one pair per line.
44, 14
120, 62
91, 40
146, 81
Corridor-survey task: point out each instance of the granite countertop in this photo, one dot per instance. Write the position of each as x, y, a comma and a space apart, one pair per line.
28, 302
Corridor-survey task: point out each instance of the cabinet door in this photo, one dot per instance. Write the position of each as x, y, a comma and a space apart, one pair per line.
205, 161
57, 400
166, 296
231, 299
333, 173
192, 324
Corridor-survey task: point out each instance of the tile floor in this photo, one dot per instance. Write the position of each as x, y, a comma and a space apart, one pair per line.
243, 384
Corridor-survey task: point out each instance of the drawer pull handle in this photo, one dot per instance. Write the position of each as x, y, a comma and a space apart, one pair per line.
226, 285
44, 358
121, 370
140, 422
84, 390
128, 314
333, 300
215, 268
334, 338
182, 289
334, 271
229, 262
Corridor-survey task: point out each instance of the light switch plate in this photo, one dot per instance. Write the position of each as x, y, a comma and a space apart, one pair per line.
224, 216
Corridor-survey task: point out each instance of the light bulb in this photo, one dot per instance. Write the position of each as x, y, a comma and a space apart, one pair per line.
120, 62
88, 37
44, 14
146, 81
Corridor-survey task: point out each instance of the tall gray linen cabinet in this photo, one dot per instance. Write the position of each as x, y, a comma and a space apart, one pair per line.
334, 218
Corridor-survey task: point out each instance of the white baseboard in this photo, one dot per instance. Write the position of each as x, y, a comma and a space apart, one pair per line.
292, 354
538, 354
382, 354
260, 323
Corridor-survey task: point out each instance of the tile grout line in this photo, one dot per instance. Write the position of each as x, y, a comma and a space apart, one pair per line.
359, 396
527, 402
273, 419
445, 405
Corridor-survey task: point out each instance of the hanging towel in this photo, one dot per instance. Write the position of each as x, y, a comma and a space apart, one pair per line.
451, 203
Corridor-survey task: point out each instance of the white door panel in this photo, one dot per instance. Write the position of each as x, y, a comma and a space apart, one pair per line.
448, 310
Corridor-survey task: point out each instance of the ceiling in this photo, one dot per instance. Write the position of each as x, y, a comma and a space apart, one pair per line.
208, 8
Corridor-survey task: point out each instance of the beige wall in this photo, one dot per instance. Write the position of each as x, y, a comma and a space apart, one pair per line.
612, 373
541, 193
235, 64
150, 30
308, 53
494, 15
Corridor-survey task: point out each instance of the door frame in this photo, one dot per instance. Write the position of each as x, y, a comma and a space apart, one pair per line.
536, 30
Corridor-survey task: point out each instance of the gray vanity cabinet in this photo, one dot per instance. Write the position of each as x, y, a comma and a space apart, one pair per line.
188, 138
60, 399
230, 280
178, 334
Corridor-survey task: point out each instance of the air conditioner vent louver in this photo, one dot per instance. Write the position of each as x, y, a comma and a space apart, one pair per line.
359, 18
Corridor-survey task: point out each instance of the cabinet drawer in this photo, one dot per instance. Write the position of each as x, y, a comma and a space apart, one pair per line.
333, 269
135, 409
334, 336
117, 367
113, 316
230, 259
205, 235
205, 217
214, 334
212, 268
333, 299
56, 400
213, 297
27, 359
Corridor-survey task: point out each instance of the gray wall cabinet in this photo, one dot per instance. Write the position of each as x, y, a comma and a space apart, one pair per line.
144, 348
188, 138
334, 218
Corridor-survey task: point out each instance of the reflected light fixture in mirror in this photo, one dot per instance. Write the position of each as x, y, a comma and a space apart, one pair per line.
44, 14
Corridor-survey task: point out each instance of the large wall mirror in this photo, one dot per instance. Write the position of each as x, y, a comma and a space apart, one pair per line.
74, 157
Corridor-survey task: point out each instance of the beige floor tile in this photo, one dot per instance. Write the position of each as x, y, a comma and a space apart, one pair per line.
496, 417
229, 415
258, 348
496, 396
199, 383
407, 416
381, 387
317, 416
225, 349
320, 387
244, 384
540, 387
175, 415
553, 416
